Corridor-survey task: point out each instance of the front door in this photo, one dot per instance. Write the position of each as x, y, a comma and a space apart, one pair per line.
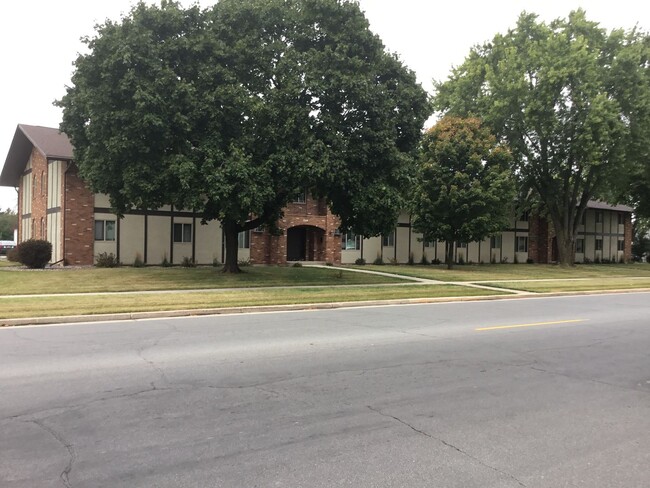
296, 244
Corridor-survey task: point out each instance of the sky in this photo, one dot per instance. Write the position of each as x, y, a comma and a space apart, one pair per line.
40, 39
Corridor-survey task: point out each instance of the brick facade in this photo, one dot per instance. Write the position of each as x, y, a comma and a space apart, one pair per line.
39, 195
538, 240
78, 220
312, 224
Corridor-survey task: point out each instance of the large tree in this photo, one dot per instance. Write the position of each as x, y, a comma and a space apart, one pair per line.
232, 110
465, 188
563, 96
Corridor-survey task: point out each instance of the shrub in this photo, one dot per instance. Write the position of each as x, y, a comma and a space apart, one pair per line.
378, 260
12, 255
461, 260
360, 261
435, 261
165, 262
586, 260
106, 260
411, 260
33, 253
530, 261
297, 264
244, 262
216, 263
504, 260
188, 262
392, 261
138, 262
424, 259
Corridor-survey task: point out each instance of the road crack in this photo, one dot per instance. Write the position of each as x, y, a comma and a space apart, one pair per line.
65, 474
447, 444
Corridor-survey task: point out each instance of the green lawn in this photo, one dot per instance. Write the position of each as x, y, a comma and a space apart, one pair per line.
591, 284
80, 280
102, 304
6, 264
487, 272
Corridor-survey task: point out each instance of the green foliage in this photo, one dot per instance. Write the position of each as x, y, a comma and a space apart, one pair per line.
297, 265
165, 262
188, 262
33, 253
424, 259
573, 103
360, 262
138, 262
215, 263
106, 260
378, 260
13, 256
232, 109
465, 189
8, 222
641, 239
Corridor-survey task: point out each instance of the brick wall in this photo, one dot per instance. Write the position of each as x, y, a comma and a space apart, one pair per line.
538, 239
39, 194
321, 242
628, 238
78, 220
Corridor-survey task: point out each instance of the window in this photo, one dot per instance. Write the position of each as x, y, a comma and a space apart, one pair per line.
522, 244
621, 218
389, 240
462, 245
42, 182
599, 244
430, 244
182, 232
599, 216
350, 241
621, 245
104, 230
42, 228
301, 197
259, 229
580, 245
524, 216
495, 242
244, 240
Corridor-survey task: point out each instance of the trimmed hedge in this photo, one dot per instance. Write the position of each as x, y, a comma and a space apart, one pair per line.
33, 253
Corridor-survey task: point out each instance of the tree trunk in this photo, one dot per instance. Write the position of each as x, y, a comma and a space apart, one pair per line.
231, 232
566, 245
449, 253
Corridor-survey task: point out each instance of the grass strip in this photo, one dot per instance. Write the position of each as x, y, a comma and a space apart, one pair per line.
103, 304
84, 280
486, 272
596, 284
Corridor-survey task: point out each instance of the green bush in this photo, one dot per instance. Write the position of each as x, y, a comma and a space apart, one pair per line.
216, 263
297, 265
12, 255
106, 260
165, 262
378, 260
188, 262
424, 259
33, 253
360, 261
138, 262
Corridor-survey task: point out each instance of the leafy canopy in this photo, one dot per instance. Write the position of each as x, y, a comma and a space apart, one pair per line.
465, 189
564, 97
232, 110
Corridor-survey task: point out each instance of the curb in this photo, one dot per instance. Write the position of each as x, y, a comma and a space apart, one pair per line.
72, 319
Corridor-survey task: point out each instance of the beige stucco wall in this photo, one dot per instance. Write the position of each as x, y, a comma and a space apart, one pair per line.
131, 237
208, 242
158, 240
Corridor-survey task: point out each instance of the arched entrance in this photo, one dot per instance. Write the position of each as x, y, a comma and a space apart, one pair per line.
305, 243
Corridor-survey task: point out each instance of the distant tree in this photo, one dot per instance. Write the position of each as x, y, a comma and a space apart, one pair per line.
8, 222
465, 189
233, 110
573, 103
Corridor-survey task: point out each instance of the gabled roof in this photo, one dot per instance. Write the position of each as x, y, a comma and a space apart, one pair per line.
50, 142
598, 205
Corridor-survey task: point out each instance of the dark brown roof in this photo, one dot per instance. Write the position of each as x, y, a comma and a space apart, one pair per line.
50, 142
598, 205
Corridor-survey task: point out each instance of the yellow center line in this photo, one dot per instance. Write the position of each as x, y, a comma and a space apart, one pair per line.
516, 326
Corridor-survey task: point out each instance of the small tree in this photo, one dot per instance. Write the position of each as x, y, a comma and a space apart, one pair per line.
641, 239
465, 191
8, 222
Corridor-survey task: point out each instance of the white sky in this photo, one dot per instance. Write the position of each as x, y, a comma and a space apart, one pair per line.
40, 40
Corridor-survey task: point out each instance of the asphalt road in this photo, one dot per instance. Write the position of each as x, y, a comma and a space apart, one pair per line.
402, 396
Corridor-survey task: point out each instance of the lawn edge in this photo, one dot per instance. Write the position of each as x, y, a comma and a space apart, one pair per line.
127, 316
